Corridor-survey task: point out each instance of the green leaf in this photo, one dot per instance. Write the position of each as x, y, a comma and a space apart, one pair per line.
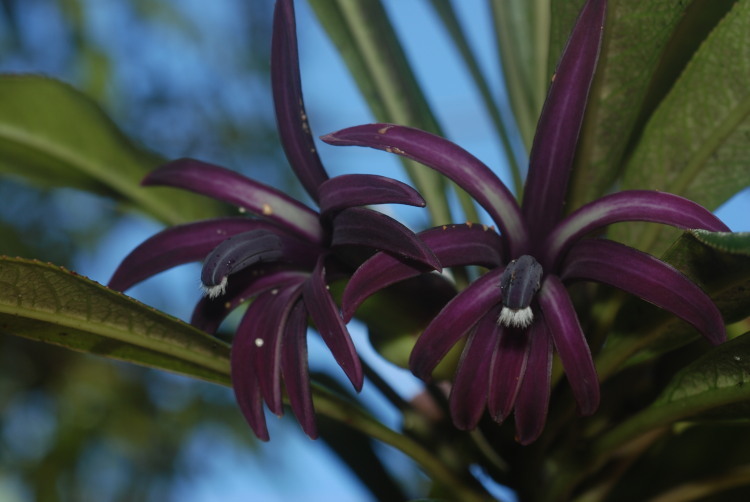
696, 143
636, 34
522, 34
53, 135
49, 304
719, 263
669, 468
714, 386
368, 43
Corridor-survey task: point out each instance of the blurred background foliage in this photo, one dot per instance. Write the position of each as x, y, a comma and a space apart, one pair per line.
182, 78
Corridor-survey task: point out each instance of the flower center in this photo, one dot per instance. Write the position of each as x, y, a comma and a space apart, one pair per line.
518, 284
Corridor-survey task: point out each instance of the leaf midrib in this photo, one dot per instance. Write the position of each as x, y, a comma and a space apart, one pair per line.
106, 176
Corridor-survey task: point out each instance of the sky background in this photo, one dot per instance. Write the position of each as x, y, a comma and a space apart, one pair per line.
200, 65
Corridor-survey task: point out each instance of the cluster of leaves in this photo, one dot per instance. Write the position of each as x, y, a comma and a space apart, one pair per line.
669, 110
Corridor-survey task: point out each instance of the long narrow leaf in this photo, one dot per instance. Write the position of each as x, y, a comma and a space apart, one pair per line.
695, 145
53, 135
49, 304
635, 36
447, 14
522, 33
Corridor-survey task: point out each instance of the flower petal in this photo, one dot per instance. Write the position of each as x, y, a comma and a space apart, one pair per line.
508, 367
264, 321
629, 205
556, 134
454, 246
532, 401
570, 342
352, 190
234, 188
647, 277
294, 368
291, 117
468, 397
176, 246
245, 384
464, 169
359, 226
325, 314
209, 313
453, 322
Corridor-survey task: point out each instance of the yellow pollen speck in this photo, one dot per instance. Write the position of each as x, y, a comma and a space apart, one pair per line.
242, 210
388, 149
397, 150
485, 227
469, 224
227, 305
274, 291
267, 209
259, 342
445, 227
553, 76
384, 130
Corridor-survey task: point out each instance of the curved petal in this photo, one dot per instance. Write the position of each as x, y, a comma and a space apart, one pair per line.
176, 246
532, 401
629, 205
209, 313
464, 169
556, 136
359, 226
291, 117
352, 190
453, 322
295, 370
508, 367
647, 277
234, 188
245, 384
325, 314
454, 246
468, 397
571, 343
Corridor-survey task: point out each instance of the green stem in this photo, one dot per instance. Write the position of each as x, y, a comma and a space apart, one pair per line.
337, 408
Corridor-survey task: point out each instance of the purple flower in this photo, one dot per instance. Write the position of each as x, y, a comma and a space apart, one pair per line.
516, 314
284, 255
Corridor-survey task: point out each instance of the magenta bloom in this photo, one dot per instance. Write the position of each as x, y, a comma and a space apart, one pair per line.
283, 254
517, 313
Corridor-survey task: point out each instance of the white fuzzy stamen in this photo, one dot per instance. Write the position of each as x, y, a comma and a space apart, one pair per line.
215, 291
516, 318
